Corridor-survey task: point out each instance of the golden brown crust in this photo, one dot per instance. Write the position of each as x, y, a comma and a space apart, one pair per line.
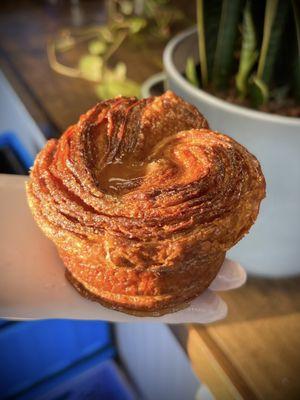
142, 201
116, 306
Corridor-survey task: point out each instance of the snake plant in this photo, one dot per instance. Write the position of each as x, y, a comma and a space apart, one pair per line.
251, 45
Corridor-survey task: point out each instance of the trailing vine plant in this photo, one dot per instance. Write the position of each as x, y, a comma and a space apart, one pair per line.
127, 20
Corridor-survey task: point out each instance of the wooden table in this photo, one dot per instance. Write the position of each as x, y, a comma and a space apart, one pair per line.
255, 352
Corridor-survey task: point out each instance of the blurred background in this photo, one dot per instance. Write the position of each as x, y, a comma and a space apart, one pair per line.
57, 59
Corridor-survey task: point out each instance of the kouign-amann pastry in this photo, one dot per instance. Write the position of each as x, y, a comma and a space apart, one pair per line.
143, 200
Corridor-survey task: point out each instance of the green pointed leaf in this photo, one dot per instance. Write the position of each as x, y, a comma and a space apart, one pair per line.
191, 73
259, 92
296, 63
227, 33
280, 93
212, 14
296, 10
248, 54
274, 25
296, 77
201, 43
90, 67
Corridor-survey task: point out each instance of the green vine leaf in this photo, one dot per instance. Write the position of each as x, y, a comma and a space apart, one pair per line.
136, 24
111, 88
106, 34
115, 82
97, 47
249, 53
65, 43
120, 71
90, 67
126, 7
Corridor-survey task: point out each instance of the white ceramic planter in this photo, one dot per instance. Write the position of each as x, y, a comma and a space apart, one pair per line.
272, 248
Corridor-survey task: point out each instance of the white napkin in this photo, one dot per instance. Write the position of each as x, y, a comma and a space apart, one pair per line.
33, 285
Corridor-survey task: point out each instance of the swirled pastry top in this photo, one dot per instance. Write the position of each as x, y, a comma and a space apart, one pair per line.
147, 170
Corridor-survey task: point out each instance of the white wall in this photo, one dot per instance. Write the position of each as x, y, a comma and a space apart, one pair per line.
155, 361
15, 118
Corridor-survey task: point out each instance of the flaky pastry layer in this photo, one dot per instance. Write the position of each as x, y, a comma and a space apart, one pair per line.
143, 200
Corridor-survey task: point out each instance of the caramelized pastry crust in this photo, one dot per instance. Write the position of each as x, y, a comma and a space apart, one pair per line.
143, 200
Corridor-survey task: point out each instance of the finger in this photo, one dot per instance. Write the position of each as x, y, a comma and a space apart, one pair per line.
231, 276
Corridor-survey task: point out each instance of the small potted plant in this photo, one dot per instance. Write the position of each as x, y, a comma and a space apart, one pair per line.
241, 68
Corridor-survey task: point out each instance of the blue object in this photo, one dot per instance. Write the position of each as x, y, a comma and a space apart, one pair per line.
56, 359
10, 139
102, 381
33, 352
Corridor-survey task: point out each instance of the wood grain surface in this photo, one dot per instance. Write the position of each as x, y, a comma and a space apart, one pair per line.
256, 350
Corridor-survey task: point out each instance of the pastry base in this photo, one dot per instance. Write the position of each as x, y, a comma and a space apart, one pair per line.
113, 306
